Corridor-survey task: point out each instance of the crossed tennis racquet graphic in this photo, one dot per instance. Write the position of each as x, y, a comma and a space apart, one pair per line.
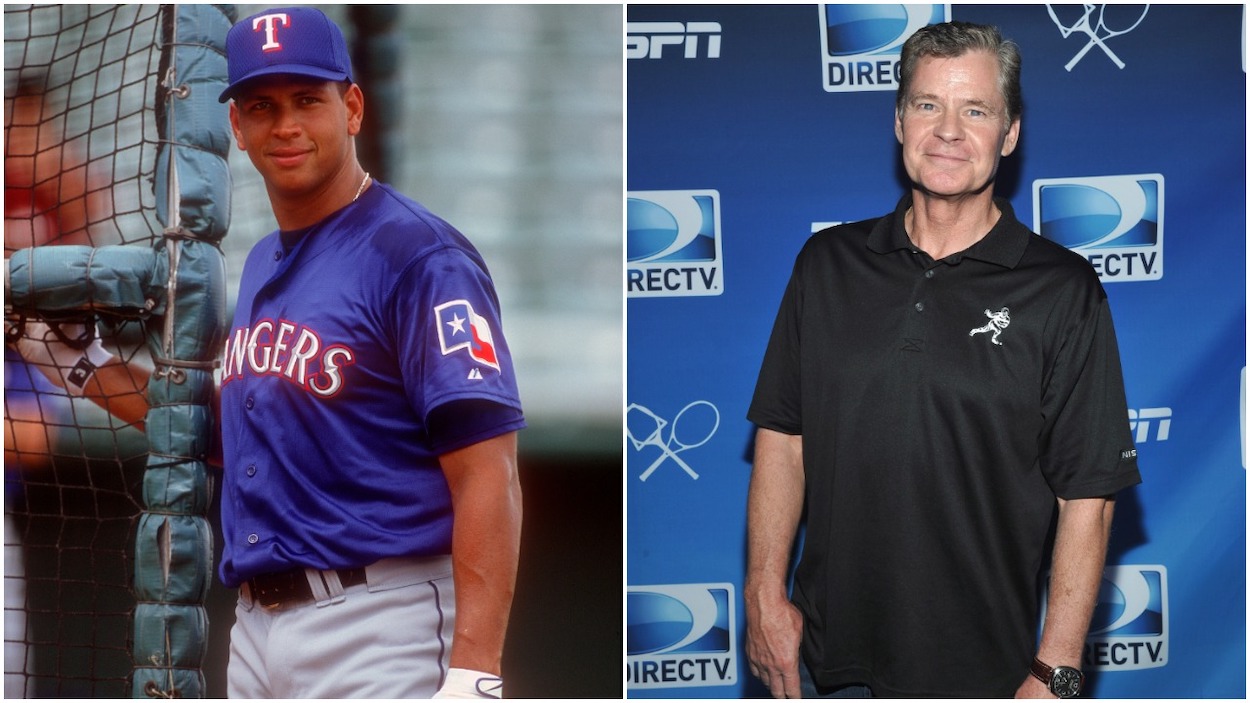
651, 427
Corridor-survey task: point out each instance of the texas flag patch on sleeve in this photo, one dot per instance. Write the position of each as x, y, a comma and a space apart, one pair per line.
461, 328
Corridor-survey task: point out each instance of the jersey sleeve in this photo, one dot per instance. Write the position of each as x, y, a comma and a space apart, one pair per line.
451, 346
1086, 448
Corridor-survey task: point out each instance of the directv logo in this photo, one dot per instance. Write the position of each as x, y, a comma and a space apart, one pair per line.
1116, 222
681, 635
646, 40
672, 243
860, 44
1129, 629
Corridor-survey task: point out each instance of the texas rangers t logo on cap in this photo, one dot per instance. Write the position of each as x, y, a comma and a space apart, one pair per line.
285, 41
461, 328
271, 29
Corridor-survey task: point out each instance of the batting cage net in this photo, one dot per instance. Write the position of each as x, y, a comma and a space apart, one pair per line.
93, 229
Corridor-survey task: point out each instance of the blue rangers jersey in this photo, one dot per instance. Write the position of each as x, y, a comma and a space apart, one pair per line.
348, 336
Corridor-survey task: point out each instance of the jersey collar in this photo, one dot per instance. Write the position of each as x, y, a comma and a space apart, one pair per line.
1003, 246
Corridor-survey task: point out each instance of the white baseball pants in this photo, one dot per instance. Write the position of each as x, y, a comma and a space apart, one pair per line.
388, 638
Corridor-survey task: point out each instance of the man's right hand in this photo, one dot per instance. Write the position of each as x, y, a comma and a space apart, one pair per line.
774, 632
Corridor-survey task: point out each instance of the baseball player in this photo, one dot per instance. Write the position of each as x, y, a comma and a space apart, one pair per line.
371, 505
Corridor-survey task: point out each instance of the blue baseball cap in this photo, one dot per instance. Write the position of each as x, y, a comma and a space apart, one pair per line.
298, 41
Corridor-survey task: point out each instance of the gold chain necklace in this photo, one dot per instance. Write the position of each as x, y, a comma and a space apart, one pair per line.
361, 189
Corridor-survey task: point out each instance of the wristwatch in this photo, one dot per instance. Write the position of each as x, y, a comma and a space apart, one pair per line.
1063, 681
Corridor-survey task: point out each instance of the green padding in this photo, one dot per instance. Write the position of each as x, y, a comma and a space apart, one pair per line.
191, 386
121, 278
174, 486
170, 635
205, 196
196, 118
179, 431
173, 559
167, 683
199, 301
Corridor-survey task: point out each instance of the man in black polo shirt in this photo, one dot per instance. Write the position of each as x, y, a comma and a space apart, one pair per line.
940, 388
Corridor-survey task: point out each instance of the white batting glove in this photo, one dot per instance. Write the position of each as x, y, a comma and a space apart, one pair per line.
466, 683
65, 366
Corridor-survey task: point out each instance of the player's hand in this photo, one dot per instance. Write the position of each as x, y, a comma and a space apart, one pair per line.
47, 351
774, 633
466, 683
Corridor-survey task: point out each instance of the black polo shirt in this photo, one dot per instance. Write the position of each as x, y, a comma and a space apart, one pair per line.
943, 406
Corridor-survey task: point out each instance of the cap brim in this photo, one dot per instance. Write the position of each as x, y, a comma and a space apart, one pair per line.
287, 70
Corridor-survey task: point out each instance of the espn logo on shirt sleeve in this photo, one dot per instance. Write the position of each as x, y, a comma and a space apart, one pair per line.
681, 635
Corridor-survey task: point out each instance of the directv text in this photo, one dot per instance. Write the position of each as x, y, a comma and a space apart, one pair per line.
694, 671
1126, 265
1124, 655
662, 280
841, 75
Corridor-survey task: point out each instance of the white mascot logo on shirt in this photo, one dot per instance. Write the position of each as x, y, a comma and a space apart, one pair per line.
998, 322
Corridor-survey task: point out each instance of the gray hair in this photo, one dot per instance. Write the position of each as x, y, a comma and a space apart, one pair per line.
954, 39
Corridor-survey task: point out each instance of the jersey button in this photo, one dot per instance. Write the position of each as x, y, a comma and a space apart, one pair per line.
277, 256
251, 470
250, 403
253, 538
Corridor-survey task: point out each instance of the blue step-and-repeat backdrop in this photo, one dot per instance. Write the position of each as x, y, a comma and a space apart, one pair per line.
750, 127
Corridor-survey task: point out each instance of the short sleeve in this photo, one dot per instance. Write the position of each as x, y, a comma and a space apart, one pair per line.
777, 402
1086, 446
449, 336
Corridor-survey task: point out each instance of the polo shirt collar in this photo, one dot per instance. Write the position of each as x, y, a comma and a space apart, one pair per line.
1004, 245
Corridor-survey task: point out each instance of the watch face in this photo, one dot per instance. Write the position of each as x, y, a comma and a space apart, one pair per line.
1065, 682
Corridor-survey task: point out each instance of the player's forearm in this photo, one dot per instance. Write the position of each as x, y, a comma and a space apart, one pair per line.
774, 507
119, 389
486, 537
1080, 552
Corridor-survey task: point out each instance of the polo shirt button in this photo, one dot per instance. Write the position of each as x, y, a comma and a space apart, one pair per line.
253, 538
928, 274
251, 470
919, 307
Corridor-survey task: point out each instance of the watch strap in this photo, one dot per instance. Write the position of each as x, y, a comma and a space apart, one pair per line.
1046, 674
1040, 670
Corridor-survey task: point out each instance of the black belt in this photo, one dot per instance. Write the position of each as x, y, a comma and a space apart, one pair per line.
291, 587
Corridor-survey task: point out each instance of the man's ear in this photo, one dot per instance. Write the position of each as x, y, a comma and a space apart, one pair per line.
234, 126
1012, 138
354, 98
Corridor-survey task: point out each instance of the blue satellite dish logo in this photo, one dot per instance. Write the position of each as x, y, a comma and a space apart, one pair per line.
1129, 629
1116, 222
673, 243
852, 30
683, 229
860, 43
681, 635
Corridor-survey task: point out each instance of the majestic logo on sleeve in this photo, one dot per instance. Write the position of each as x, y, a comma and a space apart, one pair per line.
287, 350
998, 322
461, 328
